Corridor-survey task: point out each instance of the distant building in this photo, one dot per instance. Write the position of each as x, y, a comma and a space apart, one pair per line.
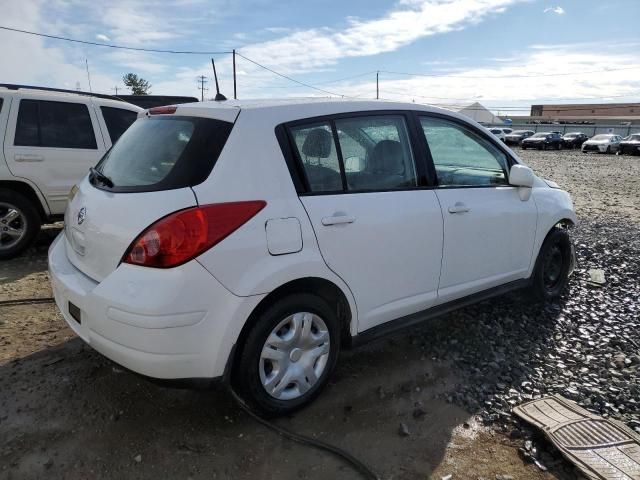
481, 114
599, 110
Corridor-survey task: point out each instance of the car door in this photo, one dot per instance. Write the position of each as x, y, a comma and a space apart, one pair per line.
378, 226
53, 144
489, 230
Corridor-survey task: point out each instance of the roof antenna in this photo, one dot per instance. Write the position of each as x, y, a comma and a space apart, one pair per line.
219, 97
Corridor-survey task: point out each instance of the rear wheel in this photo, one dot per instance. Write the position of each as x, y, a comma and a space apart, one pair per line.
19, 223
608, 150
289, 354
551, 272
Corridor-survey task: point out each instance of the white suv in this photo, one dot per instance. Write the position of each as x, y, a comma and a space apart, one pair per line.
50, 139
253, 241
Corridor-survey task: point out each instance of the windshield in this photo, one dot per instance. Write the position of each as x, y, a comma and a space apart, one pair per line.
571, 135
602, 137
634, 137
518, 132
165, 152
540, 135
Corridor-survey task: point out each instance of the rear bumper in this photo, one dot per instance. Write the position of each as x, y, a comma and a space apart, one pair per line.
169, 324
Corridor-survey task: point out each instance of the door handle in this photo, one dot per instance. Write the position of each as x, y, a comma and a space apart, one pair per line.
337, 220
459, 207
28, 157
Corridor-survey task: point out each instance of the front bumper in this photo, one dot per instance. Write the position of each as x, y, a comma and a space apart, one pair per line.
162, 323
594, 148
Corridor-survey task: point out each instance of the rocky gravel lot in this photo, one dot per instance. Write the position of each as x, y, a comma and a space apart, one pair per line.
431, 402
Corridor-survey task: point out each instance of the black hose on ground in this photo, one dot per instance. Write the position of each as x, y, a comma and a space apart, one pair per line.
26, 301
356, 464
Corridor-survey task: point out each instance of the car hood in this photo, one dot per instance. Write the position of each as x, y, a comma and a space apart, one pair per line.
597, 142
630, 142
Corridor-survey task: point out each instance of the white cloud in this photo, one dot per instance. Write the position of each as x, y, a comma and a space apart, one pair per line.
102, 37
557, 10
410, 20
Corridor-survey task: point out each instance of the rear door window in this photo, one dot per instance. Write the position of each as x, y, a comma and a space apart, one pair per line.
55, 125
117, 121
166, 152
318, 154
373, 154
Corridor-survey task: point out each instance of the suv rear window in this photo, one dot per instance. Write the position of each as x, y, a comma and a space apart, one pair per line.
162, 153
117, 121
43, 123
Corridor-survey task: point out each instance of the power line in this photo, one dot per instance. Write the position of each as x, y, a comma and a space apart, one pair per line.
289, 78
108, 45
435, 75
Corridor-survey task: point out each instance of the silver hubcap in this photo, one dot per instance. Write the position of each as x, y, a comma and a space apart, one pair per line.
294, 356
13, 225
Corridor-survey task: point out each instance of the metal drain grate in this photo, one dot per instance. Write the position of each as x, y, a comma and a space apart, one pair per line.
602, 449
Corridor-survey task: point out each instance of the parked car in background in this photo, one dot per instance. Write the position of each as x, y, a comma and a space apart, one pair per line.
543, 141
506, 130
603, 143
630, 145
51, 138
497, 132
574, 139
516, 137
232, 239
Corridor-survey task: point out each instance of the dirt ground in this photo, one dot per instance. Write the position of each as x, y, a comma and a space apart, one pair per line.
67, 412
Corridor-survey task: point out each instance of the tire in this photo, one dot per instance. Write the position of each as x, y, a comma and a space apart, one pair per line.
559, 146
551, 273
608, 150
19, 223
252, 369
523, 147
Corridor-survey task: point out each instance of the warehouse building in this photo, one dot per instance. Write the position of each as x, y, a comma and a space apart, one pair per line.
595, 110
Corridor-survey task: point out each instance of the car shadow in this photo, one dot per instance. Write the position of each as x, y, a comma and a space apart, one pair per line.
67, 409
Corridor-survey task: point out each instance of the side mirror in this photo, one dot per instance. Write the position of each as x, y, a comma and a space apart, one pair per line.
521, 176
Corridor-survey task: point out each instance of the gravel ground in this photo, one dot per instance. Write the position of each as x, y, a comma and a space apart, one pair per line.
66, 412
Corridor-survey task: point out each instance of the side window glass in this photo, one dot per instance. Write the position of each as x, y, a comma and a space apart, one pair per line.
27, 131
117, 121
319, 157
377, 153
462, 157
66, 125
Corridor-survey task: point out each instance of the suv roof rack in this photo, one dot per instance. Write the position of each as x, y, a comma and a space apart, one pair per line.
11, 86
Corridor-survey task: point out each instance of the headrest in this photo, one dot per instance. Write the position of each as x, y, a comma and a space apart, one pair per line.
387, 158
318, 143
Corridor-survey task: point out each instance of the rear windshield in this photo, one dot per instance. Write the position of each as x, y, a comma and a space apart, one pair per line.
540, 135
162, 153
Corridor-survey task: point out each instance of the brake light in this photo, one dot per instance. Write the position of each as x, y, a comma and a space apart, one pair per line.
183, 235
167, 110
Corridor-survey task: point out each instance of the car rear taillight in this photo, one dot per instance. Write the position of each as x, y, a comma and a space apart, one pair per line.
183, 235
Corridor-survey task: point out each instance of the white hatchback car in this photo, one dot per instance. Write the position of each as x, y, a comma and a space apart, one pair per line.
252, 241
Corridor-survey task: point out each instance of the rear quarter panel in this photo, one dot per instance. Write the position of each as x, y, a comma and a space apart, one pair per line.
252, 167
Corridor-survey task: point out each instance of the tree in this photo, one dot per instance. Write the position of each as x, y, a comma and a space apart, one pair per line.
138, 85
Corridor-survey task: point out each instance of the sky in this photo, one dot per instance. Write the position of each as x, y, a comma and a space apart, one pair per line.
505, 54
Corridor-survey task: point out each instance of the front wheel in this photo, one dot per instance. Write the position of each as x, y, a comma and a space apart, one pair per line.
19, 223
289, 354
551, 273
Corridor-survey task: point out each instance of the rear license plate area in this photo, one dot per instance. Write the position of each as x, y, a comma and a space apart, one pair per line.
75, 313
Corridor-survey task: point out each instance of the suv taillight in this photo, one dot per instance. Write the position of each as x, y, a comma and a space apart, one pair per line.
183, 235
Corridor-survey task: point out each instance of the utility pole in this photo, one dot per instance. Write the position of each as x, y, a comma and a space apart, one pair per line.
116, 90
235, 95
203, 80
377, 86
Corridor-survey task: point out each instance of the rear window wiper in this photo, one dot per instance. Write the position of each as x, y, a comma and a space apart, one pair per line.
101, 177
